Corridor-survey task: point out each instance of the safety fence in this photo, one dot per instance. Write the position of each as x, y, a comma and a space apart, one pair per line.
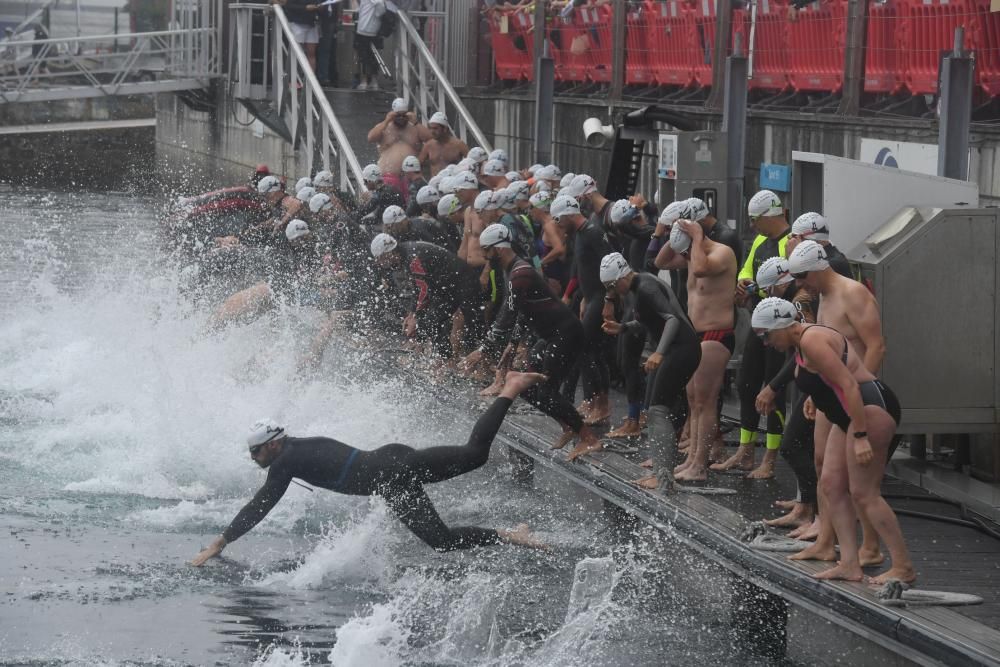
670, 43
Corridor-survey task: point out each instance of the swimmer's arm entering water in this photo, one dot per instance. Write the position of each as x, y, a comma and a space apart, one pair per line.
252, 513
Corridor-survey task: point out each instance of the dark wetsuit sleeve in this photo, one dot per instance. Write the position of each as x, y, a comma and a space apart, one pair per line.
503, 324
784, 376
265, 500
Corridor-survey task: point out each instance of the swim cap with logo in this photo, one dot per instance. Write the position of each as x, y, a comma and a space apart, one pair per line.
564, 205
774, 313
478, 154
399, 105
499, 154
323, 179
765, 204
303, 182
393, 215
623, 211
439, 119
296, 229
494, 168
428, 195
520, 190
269, 184
581, 186
484, 201
541, 199
264, 431
305, 194
448, 205
495, 236
811, 226
773, 272
464, 181
382, 244
320, 202
672, 213
566, 180
613, 267
808, 256
680, 241
372, 174
696, 209
411, 165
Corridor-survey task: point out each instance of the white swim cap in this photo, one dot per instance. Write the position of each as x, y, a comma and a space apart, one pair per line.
296, 229
323, 179
411, 165
372, 174
541, 199
512, 176
566, 180
613, 267
520, 190
680, 241
269, 184
564, 205
580, 186
808, 256
320, 202
774, 272
393, 215
465, 164
399, 105
764, 204
447, 185
304, 182
696, 209
548, 173
623, 211
382, 244
812, 226
465, 180
495, 236
505, 199
485, 201
439, 119
428, 195
494, 168
774, 313
478, 154
672, 213
305, 194
264, 431
448, 204
499, 154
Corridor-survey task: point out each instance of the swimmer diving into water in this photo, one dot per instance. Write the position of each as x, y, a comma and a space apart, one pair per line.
396, 472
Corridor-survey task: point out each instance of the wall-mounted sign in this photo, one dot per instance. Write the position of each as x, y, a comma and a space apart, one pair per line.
667, 165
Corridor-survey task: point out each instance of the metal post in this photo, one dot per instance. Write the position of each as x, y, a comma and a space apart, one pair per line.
957, 71
544, 89
618, 50
720, 50
734, 120
855, 54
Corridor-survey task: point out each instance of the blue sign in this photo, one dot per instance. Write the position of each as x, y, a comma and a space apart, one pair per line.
775, 177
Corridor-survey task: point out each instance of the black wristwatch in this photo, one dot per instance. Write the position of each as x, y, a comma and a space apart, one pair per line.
860, 434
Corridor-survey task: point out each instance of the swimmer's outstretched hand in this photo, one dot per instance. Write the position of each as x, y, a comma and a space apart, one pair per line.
523, 537
211, 551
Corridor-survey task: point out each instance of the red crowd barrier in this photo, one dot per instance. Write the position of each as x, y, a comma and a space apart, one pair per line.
817, 34
639, 44
673, 43
670, 43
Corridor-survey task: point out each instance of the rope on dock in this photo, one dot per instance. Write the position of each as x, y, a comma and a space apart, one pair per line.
895, 593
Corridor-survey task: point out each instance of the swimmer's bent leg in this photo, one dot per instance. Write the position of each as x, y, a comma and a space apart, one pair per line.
409, 502
436, 464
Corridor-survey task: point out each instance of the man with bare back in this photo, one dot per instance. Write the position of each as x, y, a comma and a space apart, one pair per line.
848, 307
443, 148
398, 137
711, 285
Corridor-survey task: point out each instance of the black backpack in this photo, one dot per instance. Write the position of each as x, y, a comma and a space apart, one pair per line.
390, 21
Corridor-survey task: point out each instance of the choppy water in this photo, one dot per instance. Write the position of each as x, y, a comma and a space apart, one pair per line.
121, 455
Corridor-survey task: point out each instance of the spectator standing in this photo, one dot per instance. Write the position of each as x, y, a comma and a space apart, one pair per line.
326, 52
302, 19
369, 19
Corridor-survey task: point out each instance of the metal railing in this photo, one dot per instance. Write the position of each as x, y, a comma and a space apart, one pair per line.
421, 80
184, 57
292, 88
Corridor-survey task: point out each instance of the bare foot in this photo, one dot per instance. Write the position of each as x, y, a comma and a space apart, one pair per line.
717, 453
652, 482
596, 418
587, 445
810, 532
522, 537
905, 574
564, 439
841, 572
742, 460
683, 445
681, 468
764, 471
643, 418
870, 558
492, 390
630, 429
692, 474
801, 515
786, 504
515, 383
648, 463
816, 552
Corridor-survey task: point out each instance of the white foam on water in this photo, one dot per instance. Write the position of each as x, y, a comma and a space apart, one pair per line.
378, 639
277, 656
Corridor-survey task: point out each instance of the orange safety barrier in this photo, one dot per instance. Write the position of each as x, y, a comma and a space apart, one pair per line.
639, 44
705, 20
817, 34
512, 50
930, 26
988, 49
596, 23
885, 36
674, 43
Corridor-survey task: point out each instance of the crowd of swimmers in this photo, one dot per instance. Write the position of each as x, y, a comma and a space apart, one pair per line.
491, 270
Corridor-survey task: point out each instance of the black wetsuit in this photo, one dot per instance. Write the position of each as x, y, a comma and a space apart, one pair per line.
396, 472
560, 337
370, 212
591, 245
428, 230
444, 284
